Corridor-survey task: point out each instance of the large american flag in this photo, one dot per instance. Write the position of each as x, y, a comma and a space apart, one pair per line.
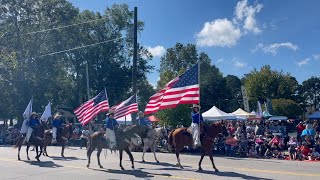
126, 107
181, 90
88, 110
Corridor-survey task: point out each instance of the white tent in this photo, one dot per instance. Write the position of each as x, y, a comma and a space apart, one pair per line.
242, 113
214, 114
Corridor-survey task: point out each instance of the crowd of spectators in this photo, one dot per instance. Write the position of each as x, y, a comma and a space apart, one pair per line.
259, 140
8, 135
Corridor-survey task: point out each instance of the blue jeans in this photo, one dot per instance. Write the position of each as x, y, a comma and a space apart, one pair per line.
230, 150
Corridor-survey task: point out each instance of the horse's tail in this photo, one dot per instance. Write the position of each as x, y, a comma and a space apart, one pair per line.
170, 138
18, 143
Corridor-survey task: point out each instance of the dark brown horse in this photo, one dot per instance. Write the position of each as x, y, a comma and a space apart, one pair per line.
123, 138
36, 139
179, 138
62, 139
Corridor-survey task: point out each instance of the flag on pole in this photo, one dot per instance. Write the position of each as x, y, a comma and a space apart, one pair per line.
87, 111
126, 107
28, 110
184, 89
259, 109
47, 113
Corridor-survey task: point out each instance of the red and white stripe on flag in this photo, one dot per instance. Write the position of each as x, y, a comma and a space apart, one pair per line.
126, 107
87, 111
181, 90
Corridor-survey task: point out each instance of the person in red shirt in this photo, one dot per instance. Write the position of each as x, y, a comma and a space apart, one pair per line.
300, 127
305, 150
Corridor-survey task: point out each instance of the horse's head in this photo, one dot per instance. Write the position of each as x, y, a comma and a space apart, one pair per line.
214, 129
67, 130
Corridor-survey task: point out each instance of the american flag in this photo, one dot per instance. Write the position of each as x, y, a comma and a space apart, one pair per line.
181, 90
126, 107
87, 111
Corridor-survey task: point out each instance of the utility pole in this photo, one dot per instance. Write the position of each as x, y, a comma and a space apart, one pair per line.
88, 91
135, 56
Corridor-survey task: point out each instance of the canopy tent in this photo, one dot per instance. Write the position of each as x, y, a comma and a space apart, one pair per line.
278, 118
315, 115
214, 114
266, 114
242, 113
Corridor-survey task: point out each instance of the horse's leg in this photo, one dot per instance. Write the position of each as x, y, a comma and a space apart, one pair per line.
202, 155
211, 158
121, 152
37, 151
62, 150
144, 151
154, 151
89, 152
27, 149
130, 156
40, 151
19, 148
178, 158
98, 156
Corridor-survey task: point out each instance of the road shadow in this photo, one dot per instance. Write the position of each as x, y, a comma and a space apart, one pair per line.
231, 175
253, 159
137, 173
71, 158
160, 164
47, 164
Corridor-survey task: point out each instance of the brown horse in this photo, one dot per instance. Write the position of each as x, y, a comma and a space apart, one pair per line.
123, 138
179, 138
36, 139
62, 139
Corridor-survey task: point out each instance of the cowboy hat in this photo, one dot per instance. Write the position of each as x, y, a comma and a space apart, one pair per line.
33, 114
196, 106
57, 115
110, 113
141, 113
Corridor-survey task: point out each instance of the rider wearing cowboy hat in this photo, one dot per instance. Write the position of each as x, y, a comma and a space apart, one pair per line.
197, 119
56, 125
32, 124
111, 125
143, 121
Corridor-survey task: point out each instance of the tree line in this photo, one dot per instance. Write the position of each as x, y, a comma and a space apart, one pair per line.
34, 63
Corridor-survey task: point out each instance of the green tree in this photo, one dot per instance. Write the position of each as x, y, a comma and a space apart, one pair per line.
310, 91
286, 107
235, 100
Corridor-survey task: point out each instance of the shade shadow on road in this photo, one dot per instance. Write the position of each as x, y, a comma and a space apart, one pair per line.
46, 164
262, 160
231, 175
160, 164
71, 158
138, 173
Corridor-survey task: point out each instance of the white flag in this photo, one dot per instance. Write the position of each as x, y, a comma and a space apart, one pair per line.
28, 110
47, 113
259, 109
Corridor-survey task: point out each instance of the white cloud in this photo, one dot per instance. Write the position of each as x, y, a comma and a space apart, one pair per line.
245, 14
239, 64
157, 51
316, 56
220, 32
220, 60
273, 48
303, 62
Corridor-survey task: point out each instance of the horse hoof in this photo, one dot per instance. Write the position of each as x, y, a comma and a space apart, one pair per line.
101, 166
122, 168
19, 159
88, 165
158, 162
143, 161
216, 170
28, 159
132, 167
200, 169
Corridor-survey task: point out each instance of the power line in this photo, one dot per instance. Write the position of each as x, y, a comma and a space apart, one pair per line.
79, 47
55, 28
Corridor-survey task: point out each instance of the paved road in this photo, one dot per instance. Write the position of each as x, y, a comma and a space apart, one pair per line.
74, 167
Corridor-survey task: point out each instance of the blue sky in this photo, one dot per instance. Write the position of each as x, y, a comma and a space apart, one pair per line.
238, 36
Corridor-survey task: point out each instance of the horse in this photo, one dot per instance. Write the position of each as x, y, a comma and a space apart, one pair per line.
62, 139
98, 141
181, 137
151, 140
36, 139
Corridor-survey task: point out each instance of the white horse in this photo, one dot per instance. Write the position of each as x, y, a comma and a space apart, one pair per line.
150, 141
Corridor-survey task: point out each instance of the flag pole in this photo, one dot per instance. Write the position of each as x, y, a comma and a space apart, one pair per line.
199, 100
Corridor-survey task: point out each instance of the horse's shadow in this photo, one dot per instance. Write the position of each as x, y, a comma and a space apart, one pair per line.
71, 158
231, 175
137, 173
47, 164
160, 164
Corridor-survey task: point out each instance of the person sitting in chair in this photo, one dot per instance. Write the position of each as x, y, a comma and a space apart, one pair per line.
56, 126
111, 125
32, 124
197, 119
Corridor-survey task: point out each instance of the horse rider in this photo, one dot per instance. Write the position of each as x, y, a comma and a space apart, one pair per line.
144, 121
32, 124
111, 125
197, 119
57, 123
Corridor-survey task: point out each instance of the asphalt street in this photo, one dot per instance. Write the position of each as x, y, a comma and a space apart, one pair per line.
73, 166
